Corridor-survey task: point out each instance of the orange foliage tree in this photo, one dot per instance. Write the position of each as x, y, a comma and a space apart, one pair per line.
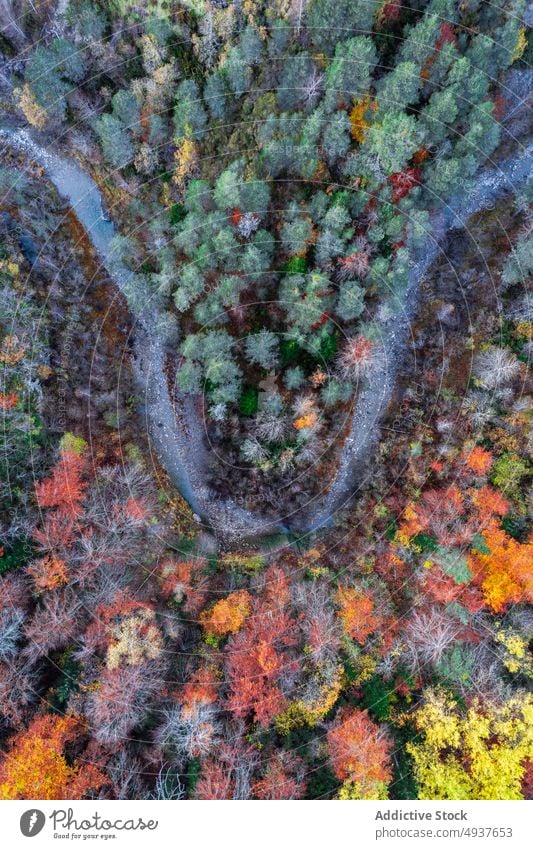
357, 613
201, 688
257, 657
488, 502
359, 752
503, 572
48, 573
479, 460
35, 766
228, 615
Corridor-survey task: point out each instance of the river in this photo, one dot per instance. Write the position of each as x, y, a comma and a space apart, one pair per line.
175, 429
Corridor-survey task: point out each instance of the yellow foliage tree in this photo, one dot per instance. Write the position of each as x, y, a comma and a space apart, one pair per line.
358, 790
34, 113
228, 615
186, 158
477, 755
521, 44
135, 640
311, 711
358, 115
514, 652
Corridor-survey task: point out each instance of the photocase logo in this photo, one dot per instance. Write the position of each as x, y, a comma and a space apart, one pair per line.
32, 822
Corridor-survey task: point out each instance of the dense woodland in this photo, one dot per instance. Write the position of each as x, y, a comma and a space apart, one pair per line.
273, 169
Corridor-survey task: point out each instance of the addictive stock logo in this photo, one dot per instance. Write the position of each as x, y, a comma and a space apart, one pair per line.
32, 822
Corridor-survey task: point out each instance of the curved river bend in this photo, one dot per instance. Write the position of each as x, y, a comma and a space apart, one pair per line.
174, 427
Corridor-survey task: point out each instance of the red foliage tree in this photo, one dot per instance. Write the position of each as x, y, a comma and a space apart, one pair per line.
201, 688
359, 750
403, 181
440, 512
65, 488
184, 581
389, 12
215, 781
281, 779
527, 781
445, 589
257, 658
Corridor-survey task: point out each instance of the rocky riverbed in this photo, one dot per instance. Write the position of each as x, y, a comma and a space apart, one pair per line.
176, 429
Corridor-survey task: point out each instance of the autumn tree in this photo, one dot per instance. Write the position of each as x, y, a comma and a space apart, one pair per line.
35, 765
480, 753
501, 568
229, 774
216, 781
64, 489
282, 778
228, 615
120, 701
359, 751
357, 613
257, 656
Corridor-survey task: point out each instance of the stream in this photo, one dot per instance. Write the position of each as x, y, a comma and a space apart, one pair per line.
173, 423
